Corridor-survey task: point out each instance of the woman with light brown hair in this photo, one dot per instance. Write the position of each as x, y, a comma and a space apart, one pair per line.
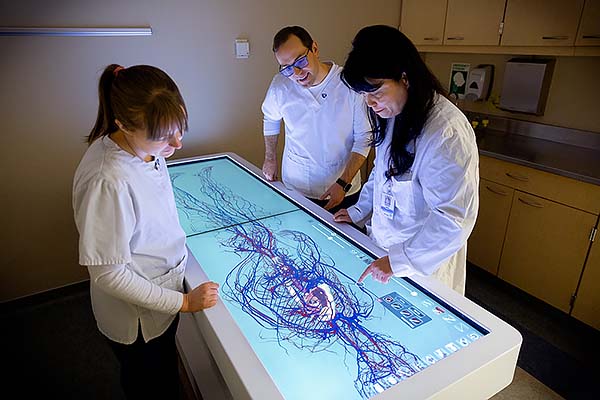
130, 239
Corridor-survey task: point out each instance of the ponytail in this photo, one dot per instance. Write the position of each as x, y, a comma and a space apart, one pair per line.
105, 121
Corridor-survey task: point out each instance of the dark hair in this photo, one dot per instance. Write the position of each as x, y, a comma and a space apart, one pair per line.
284, 34
140, 97
383, 52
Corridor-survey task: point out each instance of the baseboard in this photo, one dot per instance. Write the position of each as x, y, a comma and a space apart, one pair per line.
44, 297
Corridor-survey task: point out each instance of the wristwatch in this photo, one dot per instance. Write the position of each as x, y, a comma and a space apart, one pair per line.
345, 185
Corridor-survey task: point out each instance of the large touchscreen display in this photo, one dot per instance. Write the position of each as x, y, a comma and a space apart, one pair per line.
289, 281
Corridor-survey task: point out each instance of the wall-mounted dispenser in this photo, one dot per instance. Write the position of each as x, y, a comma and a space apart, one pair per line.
526, 85
479, 83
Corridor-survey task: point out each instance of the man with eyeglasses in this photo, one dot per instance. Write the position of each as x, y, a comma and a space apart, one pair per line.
327, 131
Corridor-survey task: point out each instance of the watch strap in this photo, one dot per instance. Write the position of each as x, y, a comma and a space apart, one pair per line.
345, 185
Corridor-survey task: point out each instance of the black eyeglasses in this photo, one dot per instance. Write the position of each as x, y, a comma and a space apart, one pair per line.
301, 62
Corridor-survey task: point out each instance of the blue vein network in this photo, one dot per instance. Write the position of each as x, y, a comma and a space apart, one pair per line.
289, 286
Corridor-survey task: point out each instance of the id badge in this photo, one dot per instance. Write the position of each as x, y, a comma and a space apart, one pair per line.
388, 203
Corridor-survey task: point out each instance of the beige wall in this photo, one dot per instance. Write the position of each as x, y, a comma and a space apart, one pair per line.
48, 100
572, 99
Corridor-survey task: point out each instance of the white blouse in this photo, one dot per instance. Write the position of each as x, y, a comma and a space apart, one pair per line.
424, 217
130, 240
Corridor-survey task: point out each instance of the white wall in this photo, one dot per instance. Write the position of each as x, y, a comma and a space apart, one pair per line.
48, 101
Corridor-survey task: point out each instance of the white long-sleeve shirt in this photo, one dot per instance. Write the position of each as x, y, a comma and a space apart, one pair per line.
324, 124
130, 240
435, 203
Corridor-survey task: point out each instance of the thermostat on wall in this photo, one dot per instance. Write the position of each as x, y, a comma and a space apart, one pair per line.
242, 48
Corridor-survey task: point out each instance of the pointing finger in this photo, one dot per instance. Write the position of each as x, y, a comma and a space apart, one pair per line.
365, 273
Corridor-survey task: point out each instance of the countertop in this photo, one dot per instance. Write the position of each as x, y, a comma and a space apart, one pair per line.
575, 162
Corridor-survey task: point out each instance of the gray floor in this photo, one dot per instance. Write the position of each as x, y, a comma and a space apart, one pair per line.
526, 387
557, 350
53, 349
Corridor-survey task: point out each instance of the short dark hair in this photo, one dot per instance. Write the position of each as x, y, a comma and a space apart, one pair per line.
284, 34
383, 52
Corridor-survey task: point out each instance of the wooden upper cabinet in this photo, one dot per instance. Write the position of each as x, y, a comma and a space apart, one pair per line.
473, 22
423, 21
589, 27
541, 22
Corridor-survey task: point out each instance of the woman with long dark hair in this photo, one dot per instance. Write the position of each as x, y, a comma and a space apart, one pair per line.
421, 200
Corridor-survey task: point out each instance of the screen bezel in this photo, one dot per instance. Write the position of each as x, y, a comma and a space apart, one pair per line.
246, 377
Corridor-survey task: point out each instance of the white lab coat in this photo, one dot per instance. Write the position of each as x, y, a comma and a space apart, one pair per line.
323, 126
436, 202
126, 217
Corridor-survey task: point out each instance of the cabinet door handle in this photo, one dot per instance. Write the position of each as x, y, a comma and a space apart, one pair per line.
591, 36
434, 38
518, 177
555, 37
531, 203
455, 38
501, 193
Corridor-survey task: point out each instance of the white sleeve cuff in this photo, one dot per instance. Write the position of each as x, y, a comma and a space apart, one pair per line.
355, 215
271, 127
358, 214
401, 265
361, 148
